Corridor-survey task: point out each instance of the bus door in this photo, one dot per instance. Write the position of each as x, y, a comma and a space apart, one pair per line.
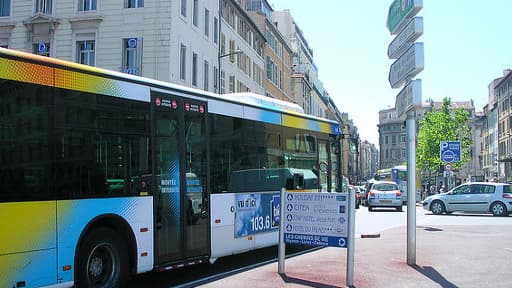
181, 212
327, 166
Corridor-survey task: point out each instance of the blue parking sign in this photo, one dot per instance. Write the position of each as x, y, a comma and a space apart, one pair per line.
450, 151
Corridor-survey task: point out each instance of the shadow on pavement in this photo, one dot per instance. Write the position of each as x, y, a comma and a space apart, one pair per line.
435, 276
307, 283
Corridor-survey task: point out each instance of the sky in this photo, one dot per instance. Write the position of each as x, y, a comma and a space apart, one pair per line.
467, 44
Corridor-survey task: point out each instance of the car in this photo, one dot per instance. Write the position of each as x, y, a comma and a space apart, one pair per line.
384, 194
364, 192
473, 197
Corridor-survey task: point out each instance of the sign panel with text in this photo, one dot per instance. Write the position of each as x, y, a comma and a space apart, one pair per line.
408, 98
316, 219
399, 11
407, 66
406, 38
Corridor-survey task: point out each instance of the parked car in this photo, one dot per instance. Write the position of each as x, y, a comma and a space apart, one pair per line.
473, 197
365, 190
384, 194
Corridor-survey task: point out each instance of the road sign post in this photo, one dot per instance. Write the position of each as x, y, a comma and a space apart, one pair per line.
409, 63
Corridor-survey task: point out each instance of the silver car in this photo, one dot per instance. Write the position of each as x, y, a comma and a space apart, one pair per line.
473, 197
384, 194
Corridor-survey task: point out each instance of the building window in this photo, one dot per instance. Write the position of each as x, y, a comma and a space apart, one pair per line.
183, 62
222, 43
184, 8
206, 22
206, 79
133, 3
44, 6
231, 84
215, 30
42, 48
194, 69
5, 7
231, 51
132, 56
215, 79
86, 5
195, 13
85, 52
222, 82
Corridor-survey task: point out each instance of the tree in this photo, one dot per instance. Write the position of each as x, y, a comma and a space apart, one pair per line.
442, 125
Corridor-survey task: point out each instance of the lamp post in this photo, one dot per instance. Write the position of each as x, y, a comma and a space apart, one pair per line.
234, 52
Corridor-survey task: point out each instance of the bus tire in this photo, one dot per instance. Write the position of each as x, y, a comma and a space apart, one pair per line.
102, 260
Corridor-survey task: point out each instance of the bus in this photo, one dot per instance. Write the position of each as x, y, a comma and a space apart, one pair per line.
106, 175
399, 176
383, 175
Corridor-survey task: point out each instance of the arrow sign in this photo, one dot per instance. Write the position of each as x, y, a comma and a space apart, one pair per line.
402, 41
408, 98
407, 66
400, 10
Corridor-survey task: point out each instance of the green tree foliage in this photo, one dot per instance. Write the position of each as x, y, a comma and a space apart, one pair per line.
442, 125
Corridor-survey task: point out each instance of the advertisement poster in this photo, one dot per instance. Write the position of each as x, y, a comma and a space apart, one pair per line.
256, 213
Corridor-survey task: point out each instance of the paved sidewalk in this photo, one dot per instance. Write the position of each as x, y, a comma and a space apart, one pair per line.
446, 256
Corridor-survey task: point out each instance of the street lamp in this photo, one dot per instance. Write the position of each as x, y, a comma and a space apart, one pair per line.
234, 52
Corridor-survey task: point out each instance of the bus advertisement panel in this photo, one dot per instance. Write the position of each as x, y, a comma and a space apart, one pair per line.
256, 213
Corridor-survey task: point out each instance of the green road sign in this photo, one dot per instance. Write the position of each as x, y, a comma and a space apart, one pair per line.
399, 11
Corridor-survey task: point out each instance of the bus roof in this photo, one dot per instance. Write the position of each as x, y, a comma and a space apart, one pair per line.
138, 88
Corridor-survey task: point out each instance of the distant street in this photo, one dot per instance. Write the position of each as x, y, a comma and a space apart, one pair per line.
379, 220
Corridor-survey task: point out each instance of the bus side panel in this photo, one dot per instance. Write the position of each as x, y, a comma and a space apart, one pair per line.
223, 241
27, 243
74, 215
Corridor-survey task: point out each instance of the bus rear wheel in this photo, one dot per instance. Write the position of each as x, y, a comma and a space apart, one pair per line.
102, 260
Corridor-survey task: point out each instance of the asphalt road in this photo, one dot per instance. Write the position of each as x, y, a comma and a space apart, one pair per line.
481, 232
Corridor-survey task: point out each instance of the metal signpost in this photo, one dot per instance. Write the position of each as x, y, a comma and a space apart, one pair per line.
318, 219
409, 63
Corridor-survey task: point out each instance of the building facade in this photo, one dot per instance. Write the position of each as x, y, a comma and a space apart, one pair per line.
503, 92
278, 54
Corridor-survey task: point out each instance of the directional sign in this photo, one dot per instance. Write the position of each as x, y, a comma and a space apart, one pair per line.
402, 41
408, 98
399, 11
317, 219
450, 151
407, 66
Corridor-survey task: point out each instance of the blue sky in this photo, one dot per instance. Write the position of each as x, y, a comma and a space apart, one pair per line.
467, 44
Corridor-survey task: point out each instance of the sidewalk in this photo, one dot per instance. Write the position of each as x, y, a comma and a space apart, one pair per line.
446, 256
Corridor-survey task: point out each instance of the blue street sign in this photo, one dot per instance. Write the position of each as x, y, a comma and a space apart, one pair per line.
450, 151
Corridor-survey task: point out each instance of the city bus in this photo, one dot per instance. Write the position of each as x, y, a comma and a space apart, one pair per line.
107, 175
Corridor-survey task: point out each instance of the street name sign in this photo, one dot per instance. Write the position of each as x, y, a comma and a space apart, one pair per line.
316, 219
407, 66
450, 151
408, 98
402, 41
400, 11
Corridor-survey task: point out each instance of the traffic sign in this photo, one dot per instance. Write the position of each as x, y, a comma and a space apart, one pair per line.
450, 151
411, 33
317, 219
448, 167
399, 11
408, 98
407, 66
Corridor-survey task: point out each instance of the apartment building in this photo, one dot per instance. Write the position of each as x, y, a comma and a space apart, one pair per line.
278, 54
503, 92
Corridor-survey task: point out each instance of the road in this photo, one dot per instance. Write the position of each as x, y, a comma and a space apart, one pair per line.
383, 219
366, 223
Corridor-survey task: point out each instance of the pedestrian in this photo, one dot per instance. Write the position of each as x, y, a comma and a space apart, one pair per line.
432, 189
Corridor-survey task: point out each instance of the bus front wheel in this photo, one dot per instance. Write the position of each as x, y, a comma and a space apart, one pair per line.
102, 260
